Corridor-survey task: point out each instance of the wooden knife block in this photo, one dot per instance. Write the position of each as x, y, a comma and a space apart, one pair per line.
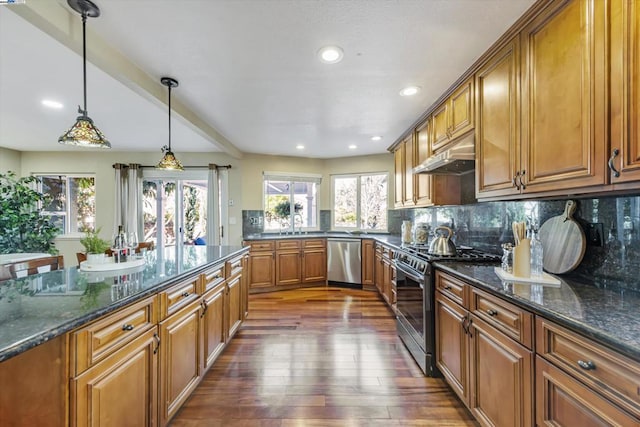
522, 259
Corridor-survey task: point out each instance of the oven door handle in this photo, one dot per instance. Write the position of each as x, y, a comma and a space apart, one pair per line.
410, 274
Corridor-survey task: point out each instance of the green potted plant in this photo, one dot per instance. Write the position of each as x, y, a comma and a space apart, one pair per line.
94, 246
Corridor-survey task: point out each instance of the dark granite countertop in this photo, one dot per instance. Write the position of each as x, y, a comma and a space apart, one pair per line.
608, 314
40, 307
388, 239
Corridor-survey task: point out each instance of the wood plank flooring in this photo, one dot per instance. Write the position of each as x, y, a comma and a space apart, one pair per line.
319, 357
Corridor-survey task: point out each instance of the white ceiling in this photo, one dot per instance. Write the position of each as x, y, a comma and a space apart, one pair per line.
249, 76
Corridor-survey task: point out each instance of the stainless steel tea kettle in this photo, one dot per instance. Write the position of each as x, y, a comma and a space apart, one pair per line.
441, 244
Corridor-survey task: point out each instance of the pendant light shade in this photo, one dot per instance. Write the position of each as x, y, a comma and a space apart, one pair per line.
169, 161
84, 133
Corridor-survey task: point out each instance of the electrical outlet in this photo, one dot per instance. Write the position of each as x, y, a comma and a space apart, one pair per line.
595, 234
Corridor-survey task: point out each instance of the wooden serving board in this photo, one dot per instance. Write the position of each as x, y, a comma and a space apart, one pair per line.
563, 241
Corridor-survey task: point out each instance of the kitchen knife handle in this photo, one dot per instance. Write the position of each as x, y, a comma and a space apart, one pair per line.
614, 154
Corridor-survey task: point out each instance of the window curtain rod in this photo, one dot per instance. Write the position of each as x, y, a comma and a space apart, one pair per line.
136, 165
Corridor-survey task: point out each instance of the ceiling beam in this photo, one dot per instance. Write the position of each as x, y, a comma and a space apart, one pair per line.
60, 22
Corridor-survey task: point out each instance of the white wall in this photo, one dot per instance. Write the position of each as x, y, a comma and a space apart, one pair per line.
10, 161
245, 178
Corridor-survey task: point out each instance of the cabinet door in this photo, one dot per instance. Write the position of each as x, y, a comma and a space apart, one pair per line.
462, 111
368, 260
314, 265
501, 380
179, 359
498, 130
452, 345
379, 274
562, 401
440, 127
234, 306
213, 326
288, 267
625, 90
261, 269
423, 182
244, 297
398, 156
121, 390
408, 172
564, 113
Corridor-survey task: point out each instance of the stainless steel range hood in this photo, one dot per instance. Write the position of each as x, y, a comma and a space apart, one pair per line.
459, 159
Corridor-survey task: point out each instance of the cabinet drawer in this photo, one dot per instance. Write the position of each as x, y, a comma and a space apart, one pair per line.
611, 374
178, 296
234, 267
287, 244
212, 277
262, 245
451, 287
314, 243
101, 338
513, 321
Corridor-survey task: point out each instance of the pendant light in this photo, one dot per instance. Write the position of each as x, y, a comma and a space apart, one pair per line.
84, 133
169, 161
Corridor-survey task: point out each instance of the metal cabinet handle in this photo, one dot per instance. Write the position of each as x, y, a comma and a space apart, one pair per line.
157, 338
514, 181
127, 327
446, 288
492, 312
522, 184
614, 154
205, 306
469, 327
185, 294
587, 366
464, 325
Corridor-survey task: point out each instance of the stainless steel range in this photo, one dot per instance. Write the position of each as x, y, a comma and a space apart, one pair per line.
415, 286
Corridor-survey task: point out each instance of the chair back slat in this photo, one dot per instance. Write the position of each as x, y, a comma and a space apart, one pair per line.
35, 266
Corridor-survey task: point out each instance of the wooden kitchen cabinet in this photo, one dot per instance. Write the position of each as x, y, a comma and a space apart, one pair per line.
180, 370
288, 262
453, 118
314, 260
120, 390
234, 319
262, 267
404, 155
564, 114
213, 324
498, 123
399, 175
625, 91
489, 370
368, 262
244, 299
379, 268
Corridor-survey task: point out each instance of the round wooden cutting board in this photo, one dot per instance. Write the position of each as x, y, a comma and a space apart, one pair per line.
563, 241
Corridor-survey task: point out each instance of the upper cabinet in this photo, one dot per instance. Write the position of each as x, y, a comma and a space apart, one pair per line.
453, 118
624, 153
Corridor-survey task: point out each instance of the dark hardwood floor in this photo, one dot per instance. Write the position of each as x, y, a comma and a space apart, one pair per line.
319, 357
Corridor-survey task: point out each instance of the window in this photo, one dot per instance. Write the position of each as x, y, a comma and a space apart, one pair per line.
280, 190
72, 205
360, 201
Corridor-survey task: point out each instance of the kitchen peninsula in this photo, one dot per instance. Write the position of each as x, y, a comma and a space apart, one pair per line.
117, 345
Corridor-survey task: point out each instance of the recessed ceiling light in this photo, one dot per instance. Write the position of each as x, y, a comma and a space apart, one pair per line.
376, 138
52, 104
353, 147
410, 90
331, 54
300, 147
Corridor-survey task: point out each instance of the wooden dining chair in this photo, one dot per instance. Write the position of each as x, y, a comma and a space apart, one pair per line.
37, 265
148, 245
81, 256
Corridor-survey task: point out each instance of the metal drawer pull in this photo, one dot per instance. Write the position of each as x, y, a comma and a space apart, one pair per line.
127, 327
205, 306
157, 338
447, 288
186, 294
614, 154
492, 312
588, 365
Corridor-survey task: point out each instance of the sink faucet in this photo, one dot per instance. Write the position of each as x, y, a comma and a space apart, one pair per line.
296, 216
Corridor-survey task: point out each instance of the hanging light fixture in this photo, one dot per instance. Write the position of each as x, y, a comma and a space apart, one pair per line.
169, 161
84, 133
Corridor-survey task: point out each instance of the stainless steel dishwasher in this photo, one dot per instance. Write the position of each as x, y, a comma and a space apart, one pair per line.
344, 261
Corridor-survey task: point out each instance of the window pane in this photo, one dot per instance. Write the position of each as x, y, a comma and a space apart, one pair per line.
149, 206
305, 200
373, 202
59, 221
276, 204
82, 209
56, 188
345, 202
195, 210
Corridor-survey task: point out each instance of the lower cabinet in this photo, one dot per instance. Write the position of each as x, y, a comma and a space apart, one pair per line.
121, 390
368, 262
452, 352
234, 318
179, 359
213, 324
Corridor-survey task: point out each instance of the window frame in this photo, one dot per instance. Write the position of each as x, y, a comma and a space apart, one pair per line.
358, 201
292, 178
67, 233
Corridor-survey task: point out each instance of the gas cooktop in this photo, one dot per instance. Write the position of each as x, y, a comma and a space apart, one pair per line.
463, 253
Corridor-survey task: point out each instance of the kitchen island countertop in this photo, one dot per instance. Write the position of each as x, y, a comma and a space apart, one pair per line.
41, 307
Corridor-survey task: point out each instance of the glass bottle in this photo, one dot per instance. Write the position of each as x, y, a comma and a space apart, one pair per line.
406, 232
119, 246
537, 255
